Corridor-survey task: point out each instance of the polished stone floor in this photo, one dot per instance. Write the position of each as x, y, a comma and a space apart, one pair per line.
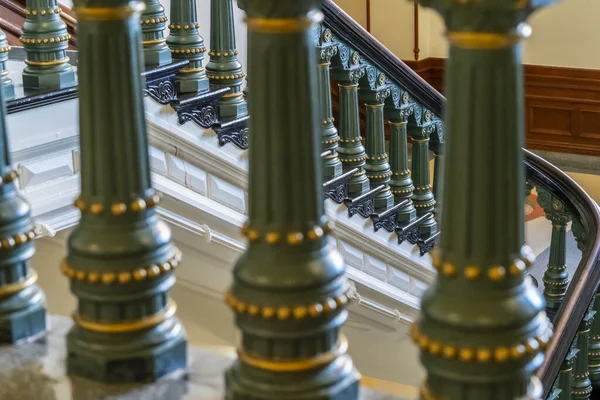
36, 371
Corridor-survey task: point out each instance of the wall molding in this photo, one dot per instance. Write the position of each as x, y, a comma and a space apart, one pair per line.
562, 105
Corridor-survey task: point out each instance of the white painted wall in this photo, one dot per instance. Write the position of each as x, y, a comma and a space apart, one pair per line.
564, 34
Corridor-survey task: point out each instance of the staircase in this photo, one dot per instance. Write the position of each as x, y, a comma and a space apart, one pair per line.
385, 212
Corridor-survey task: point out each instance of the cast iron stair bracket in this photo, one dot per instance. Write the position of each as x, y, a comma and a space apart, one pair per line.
337, 188
426, 245
199, 108
363, 204
410, 231
160, 82
235, 131
388, 219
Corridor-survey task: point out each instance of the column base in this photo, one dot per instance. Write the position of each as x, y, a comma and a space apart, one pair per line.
332, 167
406, 214
384, 199
232, 108
192, 83
428, 227
155, 56
358, 184
338, 381
49, 79
23, 316
137, 357
8, 89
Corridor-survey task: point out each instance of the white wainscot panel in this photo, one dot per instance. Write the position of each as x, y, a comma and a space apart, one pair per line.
352, 256
40, 171
418, 287
158, 161
375, 267
226, 193
398, 278
186, 174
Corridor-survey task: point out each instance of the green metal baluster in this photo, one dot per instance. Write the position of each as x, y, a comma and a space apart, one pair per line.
401, 183
22, 302
8, 88
594, 345
154, 22
325, 50
438, 180
120, 257
46, 40
581, 386
556, 277
566, 374
186, 43
475, 343
223, 68
422, 195
289, 288
377, 167
351, 150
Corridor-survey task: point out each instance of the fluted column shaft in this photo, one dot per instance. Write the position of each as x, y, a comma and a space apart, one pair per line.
8, 88
289, 287
22, 302
154, 22
581, 386
422, 196
351, 150
438, 177
186, 43
377, 167
566, 374
46, 40
556, 277
594, 344
223, 68
476, 344
326, 50
120, 257
401, 183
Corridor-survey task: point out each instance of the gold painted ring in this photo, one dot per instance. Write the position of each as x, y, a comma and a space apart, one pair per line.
12, 288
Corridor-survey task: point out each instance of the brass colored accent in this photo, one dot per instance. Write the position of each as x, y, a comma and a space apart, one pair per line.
483, 40
448, 269
119, 208
518, 351
517, 267
241, 307
436, 260
253, 310
166, 267
435, 348
466, 354
268, 312
15, 287
296, 365
341, 300
295, 238
47, 63
232, 95
497, 273
300, 312
315, 233
139, 274
80, 204
532, 345
449, 351
153, 271
20, 239
253, 234
138, 205
124, 277
129, 326
272, 237
93, 277
110, 13
315, 310
97, 208
154, 41
80, 275
329, 305
472, 272
484, 355
502, 354
280, 25
153, 200
527, 255
108, 277
284, 313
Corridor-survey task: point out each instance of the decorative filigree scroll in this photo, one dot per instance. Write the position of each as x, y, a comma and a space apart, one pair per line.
205, 116
236, 132
162, 92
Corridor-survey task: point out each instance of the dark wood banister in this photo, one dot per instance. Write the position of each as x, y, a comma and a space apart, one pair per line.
586, 278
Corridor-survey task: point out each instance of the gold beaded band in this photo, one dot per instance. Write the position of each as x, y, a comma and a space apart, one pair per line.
136, 206
188, 51
284, 312
47, 63
483, 40
282, 25
16, 240
128, 326
223, 77
110, 13
482, 355
154, 21
305, 364
15, 287
107, 278
191, 70
154, 41
57, 39
293, 238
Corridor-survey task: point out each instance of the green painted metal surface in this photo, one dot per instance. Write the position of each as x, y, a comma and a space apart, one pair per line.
556, 277
289, 288
581, 385
22, 302
154, 22
223, 68
351, 150
566, 374
46, 40
377, 167
594, 345
325, 51
8, 88
482, 328
120, 258
186, 43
